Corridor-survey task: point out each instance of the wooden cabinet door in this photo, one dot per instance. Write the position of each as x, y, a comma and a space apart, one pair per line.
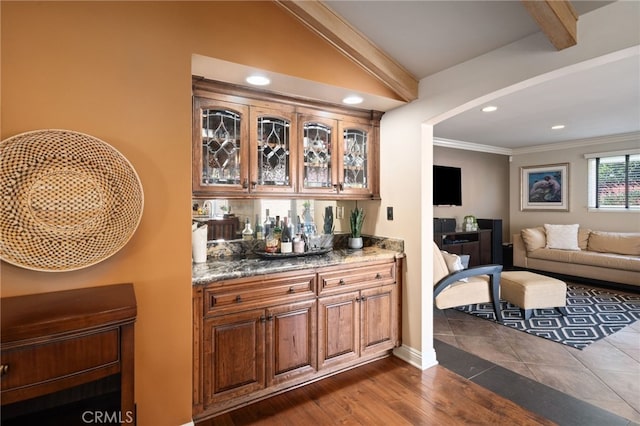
220, 147
356, 158
379, 325
318, 169
273, 151
234, 355
291, 341
338, 329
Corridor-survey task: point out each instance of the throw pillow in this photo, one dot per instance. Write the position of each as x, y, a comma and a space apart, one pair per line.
454, 263
534, 238
563, 237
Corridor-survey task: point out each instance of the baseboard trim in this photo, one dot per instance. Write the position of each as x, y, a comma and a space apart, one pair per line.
413, 357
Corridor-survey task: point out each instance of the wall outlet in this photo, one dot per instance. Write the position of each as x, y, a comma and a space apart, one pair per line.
389, 213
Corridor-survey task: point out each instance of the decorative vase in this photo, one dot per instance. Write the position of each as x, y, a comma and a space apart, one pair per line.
355, 243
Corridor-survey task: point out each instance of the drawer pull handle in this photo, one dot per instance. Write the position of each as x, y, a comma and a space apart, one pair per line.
263, 318
238, 299
4, 369
292, 290
270, 318
341, 282
378, 276
213, 301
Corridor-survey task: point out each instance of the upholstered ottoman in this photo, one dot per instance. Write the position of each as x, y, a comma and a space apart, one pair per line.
532, 291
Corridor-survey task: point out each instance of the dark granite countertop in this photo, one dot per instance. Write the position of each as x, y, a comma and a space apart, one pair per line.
217, 269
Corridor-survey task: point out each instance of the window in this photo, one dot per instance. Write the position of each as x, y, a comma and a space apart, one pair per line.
614, 180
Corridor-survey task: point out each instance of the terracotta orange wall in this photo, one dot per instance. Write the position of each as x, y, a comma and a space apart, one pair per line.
120, 71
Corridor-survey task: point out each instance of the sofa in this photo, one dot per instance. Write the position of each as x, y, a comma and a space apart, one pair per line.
571, 250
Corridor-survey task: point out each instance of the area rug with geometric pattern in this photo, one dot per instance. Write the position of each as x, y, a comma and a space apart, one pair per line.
592, 314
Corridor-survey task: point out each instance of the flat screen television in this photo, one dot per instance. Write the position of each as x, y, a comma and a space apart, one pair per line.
447, 186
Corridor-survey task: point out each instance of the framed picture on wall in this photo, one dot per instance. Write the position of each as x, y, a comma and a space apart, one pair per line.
544, 187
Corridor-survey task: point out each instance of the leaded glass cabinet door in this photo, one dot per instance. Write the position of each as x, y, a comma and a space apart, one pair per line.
355, 154
273, 150
318, 172
220, 152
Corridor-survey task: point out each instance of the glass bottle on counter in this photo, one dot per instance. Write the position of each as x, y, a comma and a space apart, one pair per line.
286, 244
247, 232
259, 234
266, 228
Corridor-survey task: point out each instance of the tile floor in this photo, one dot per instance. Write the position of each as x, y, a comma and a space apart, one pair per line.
606, 374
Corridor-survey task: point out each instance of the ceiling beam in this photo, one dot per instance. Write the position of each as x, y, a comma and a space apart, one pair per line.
326, 23
557, 19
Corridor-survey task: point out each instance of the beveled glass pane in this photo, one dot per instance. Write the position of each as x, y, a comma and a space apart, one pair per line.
355, 158
273, 151
220, 147
317, 156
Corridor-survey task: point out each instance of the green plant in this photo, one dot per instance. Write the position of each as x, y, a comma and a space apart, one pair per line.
356, 220
328, 220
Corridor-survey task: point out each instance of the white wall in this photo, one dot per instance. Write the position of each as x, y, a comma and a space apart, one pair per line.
578, 196
407, 139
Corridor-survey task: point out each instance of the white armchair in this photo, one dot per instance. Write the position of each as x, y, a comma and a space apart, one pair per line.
482, 285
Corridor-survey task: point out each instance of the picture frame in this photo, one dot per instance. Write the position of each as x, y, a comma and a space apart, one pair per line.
544, 187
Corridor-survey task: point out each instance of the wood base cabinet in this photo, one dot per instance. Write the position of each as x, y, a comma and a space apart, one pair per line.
258, 336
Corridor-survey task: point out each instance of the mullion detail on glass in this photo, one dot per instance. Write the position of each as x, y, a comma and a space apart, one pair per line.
273, 151
220, 147
317, 156
355, 159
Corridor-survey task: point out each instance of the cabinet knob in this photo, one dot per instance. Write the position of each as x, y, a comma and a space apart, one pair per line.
292, 290
378, 276
238, 299
253, 185
245, 184
335, 187
263, 318
270, 318
341, 282
4, 369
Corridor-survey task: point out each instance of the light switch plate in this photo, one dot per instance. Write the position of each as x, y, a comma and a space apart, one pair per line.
389, 213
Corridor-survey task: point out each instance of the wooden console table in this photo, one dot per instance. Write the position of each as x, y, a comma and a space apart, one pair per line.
55, 341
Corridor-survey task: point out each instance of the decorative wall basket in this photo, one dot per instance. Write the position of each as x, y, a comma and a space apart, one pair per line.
69, 200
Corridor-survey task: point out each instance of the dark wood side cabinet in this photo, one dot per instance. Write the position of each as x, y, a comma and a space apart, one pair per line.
57, 341
477, 244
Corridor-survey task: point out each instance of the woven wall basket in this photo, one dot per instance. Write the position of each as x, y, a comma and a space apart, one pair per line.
69, 200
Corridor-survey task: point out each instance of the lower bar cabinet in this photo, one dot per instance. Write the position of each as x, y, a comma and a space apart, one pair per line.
261, 335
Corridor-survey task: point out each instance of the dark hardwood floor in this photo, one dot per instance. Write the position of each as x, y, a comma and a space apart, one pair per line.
384, 392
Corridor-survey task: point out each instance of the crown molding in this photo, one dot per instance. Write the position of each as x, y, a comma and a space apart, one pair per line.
470, 146
577, 143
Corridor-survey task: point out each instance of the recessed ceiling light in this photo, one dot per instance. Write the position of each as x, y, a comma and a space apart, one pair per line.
489, 108
352, 100
557, 127
258, 80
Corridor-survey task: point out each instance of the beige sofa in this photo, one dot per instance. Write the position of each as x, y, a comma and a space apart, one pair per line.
606, 256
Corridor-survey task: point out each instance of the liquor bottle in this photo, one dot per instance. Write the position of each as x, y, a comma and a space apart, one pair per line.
247, 232
277, 231
266, 228
259, 234
286, 243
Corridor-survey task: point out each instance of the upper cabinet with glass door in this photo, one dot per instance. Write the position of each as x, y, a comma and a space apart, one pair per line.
249, 143
358, 154
220, 147
273, 150
318, 171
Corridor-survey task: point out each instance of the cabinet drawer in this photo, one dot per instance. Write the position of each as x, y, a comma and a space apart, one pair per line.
362, 277
258, 293
57, 359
